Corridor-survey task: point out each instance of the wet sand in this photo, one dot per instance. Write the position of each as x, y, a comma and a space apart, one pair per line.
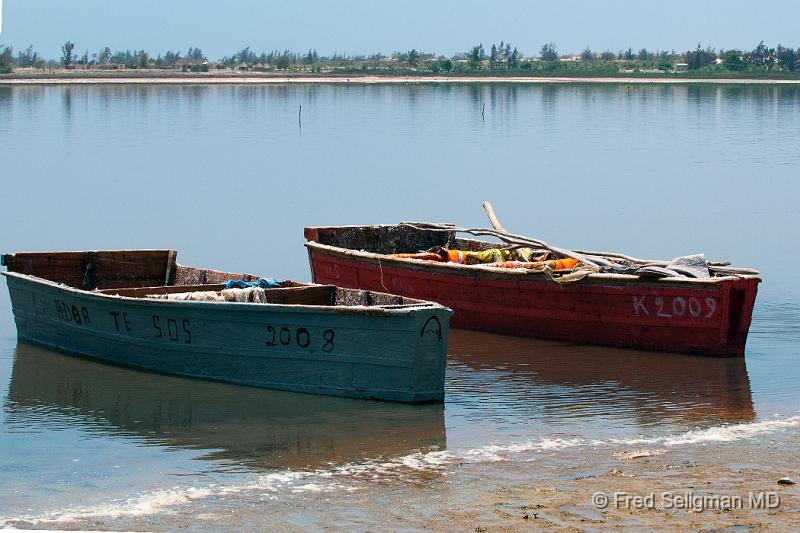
551, 490
259, 79
556, 493
563, 498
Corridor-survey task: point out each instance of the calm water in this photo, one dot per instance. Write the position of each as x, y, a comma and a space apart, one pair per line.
227, 176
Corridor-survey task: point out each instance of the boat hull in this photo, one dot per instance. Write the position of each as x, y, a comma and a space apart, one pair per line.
710, 318
385, 354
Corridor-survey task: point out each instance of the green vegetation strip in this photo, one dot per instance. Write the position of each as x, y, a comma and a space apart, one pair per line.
503, 59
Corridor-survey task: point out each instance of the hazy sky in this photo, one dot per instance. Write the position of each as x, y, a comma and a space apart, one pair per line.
362, 26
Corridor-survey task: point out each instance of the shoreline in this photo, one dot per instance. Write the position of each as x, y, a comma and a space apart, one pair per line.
552, 490
368, 80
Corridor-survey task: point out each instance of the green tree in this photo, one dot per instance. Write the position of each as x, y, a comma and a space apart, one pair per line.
608, 55
244, 56
761, 57
6, 59
700, 58
493, 57
476, 55
587, 54
549, 52
142, 59
282, 62
446, 65
665, 65
66, 53
27, 57
311, 57
787, 58
733, 60
513, 60
105, 55
170, 58
413, 57
195, 54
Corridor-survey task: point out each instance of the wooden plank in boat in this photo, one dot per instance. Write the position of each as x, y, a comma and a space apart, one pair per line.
103, 269
303, 295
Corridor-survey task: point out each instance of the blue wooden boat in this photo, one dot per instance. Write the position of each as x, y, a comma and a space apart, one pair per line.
141, 308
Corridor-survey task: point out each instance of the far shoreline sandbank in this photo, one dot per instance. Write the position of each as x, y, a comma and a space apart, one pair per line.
360, 79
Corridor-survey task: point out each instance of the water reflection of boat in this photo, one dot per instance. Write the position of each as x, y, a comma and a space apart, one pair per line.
558, 380
240, 426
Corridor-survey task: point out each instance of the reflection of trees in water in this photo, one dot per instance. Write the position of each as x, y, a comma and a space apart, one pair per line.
550, 93
758, 94
411, 93
499, 99
66, 101
475, 91
256, 428
141, 97
74, 99
503, 99
29, 95
268, 98
649, 94
6, 95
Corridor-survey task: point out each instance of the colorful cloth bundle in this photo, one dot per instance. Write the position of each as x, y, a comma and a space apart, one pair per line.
556, 264
496, 257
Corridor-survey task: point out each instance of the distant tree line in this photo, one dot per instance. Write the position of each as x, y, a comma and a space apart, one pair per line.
500, 57
132, 59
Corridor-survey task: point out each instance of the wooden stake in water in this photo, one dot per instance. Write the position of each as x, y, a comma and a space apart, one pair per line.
299, 115
483, 111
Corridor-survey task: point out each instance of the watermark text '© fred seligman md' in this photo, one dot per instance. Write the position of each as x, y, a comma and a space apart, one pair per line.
690, 501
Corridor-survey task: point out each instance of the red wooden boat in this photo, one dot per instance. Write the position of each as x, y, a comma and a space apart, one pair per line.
709, 316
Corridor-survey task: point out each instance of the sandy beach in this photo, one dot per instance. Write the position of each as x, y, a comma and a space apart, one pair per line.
261, 79
718, 486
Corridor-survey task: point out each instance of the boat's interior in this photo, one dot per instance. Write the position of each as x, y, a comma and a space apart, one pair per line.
391, 239
385, 239
154, 273
438, 242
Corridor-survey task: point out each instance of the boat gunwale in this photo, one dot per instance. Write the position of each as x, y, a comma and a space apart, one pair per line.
392, 309
489, 272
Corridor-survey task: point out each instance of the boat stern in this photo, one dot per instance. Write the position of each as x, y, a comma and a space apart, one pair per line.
430, 358
740, 296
